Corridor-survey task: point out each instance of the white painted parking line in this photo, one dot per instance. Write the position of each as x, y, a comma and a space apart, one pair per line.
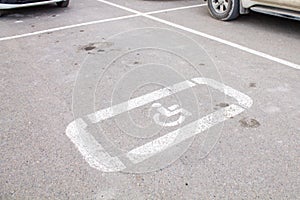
97, 157
94, 22
217, 39
67, 27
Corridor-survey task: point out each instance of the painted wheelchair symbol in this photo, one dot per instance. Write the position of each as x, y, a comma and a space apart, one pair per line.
97, 157
169, 112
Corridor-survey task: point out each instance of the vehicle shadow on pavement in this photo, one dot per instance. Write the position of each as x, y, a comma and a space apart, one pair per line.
30, 12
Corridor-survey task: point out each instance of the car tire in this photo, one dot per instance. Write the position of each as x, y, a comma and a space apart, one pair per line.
63, 4
225, 10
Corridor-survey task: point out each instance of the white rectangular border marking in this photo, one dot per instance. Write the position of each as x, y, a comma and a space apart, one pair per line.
98, 158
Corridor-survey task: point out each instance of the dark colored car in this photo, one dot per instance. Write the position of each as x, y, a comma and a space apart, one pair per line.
12, 4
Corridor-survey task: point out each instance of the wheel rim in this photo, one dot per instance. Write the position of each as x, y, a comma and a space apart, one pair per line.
220, 6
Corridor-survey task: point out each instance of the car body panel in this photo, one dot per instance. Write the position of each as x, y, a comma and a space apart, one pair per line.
284, 4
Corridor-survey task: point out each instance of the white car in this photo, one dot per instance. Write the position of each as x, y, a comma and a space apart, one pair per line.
12, 4
230, 9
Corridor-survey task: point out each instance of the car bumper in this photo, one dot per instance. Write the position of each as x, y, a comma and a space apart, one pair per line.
22, 4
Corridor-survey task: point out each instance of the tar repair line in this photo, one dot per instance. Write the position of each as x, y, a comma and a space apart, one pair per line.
95, 22
237, 46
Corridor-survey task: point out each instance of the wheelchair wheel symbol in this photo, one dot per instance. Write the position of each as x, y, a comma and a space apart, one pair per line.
169, 112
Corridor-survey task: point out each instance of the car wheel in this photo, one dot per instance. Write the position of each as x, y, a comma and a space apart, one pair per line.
225, 10
63, 4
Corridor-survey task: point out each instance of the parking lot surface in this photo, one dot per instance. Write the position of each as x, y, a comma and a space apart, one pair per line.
60, 66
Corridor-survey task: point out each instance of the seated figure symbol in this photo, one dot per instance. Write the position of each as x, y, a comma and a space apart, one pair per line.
169, 112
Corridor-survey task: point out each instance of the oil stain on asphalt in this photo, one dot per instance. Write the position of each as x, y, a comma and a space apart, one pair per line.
249, 123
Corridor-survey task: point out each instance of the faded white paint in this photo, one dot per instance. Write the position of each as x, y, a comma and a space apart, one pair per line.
173, 138
97, 157
169, 112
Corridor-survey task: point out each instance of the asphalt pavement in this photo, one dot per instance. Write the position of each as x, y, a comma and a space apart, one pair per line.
148, 99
